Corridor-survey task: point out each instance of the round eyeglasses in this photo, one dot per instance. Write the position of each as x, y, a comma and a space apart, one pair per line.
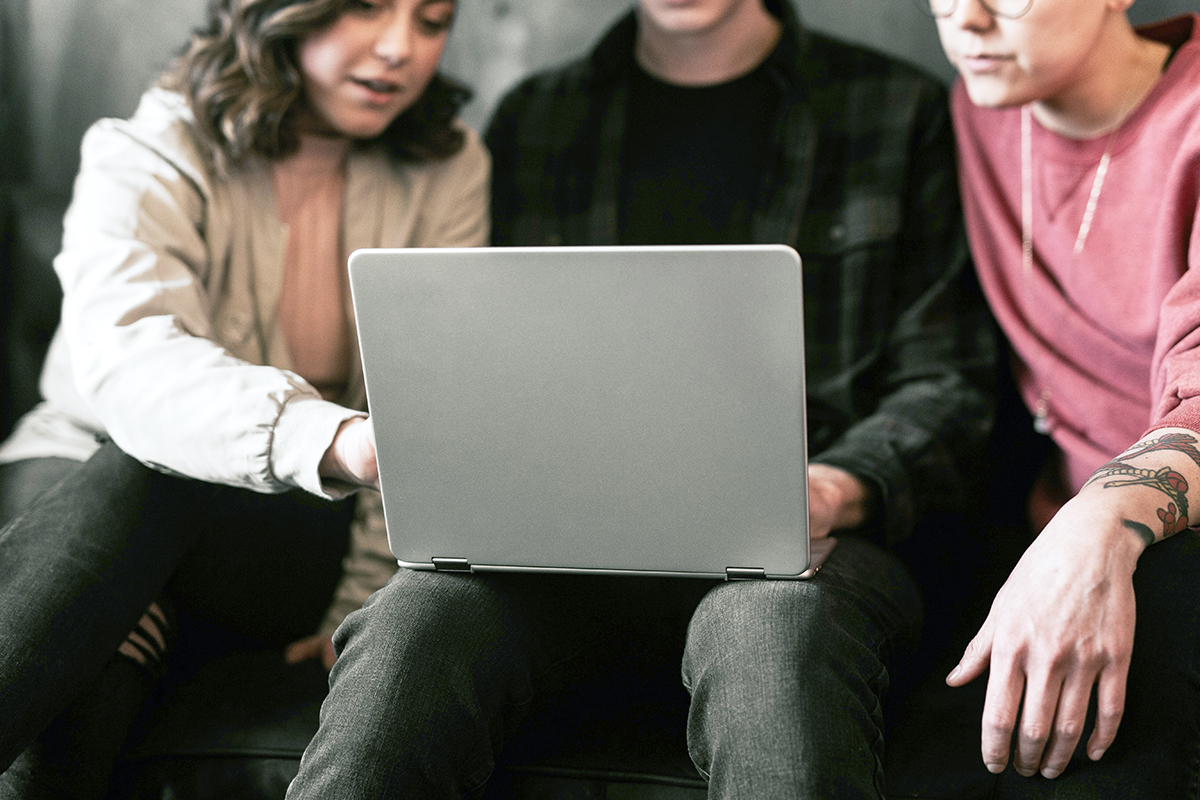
1009, 9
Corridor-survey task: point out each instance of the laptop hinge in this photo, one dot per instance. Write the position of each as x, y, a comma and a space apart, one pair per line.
744, 573
451, 564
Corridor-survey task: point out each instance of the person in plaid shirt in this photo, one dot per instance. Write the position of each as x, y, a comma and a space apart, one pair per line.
708, 122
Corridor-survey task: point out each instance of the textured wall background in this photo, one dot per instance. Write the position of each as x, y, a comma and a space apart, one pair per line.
67, 62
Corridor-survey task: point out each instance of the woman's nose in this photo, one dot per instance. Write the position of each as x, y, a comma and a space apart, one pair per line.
393, 43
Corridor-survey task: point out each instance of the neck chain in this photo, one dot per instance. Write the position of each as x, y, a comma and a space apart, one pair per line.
1041, 412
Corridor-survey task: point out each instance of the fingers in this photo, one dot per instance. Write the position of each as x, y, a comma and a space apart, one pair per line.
1068, 723
1004, 690
299, 651
1037, 720
328, 654
317, 647
1110, 706
1052, 717
1000, 710
308, 648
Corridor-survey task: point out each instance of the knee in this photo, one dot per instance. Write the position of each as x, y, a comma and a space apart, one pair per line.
756, 624
428, 636
785, 644
443, 617
427, 672
775, 672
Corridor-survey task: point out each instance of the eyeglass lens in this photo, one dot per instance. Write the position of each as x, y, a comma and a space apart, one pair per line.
1010, 9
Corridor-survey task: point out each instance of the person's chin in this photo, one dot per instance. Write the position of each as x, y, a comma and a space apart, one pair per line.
990, 92
679, 19
367, 126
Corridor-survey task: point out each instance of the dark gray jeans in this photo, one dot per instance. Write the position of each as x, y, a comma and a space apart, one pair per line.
79, 567
786, 677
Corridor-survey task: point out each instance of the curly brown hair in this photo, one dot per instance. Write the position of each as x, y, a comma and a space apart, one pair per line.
242, 82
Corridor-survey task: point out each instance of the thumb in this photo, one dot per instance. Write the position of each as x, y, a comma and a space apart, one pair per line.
975, 659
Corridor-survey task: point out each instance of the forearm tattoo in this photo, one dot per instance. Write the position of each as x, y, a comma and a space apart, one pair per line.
1174, 516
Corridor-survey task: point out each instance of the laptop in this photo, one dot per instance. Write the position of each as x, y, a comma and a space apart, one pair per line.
613, 410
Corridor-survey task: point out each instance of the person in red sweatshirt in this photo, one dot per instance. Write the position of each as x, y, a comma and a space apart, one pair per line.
1079, 151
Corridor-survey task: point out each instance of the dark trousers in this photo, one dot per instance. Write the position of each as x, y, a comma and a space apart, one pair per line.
786, 678
80, 565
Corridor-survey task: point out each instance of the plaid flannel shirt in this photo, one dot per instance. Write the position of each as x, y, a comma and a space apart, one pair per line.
861, 181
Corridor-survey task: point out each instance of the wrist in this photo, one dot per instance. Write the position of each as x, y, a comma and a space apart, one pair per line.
1101, 528
333, 464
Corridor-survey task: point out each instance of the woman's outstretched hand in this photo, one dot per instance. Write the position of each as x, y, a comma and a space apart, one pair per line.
351, 457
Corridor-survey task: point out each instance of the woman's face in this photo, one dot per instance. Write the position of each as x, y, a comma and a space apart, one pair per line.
1049, 51
371, 64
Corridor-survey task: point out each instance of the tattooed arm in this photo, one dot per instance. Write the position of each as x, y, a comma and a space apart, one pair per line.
1063, 622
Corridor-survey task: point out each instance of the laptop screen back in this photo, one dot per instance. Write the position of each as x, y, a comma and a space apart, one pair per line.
588, 409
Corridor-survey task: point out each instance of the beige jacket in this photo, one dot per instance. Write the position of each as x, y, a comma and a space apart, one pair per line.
171, 281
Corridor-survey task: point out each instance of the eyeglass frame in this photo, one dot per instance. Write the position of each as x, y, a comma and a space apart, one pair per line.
927, 7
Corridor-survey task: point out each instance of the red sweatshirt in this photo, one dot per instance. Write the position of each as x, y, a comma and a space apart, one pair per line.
1108, 340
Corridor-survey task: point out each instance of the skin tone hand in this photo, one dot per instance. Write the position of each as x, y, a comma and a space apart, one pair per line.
316, 646
836, 499
1063, 622
351, 456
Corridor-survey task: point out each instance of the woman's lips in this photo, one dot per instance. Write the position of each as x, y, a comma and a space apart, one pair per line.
380, 91
983, 62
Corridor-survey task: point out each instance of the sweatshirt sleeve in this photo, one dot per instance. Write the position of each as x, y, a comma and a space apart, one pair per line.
1176, 370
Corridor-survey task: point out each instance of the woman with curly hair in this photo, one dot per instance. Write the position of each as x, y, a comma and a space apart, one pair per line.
203, 417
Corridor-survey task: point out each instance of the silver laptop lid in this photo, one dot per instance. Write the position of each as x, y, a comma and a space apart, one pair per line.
610, 409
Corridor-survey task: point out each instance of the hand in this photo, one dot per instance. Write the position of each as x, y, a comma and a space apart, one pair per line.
1062, 623
836, 499
351, 456
316, 646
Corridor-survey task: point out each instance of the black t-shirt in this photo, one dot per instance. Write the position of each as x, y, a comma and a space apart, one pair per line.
693, 159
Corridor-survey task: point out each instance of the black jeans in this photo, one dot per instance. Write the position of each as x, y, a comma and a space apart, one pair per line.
79, 567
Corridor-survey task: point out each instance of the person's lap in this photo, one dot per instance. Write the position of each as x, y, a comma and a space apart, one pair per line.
437, 671
107, 537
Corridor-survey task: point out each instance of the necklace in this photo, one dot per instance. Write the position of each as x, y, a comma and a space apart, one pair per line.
1041, 411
